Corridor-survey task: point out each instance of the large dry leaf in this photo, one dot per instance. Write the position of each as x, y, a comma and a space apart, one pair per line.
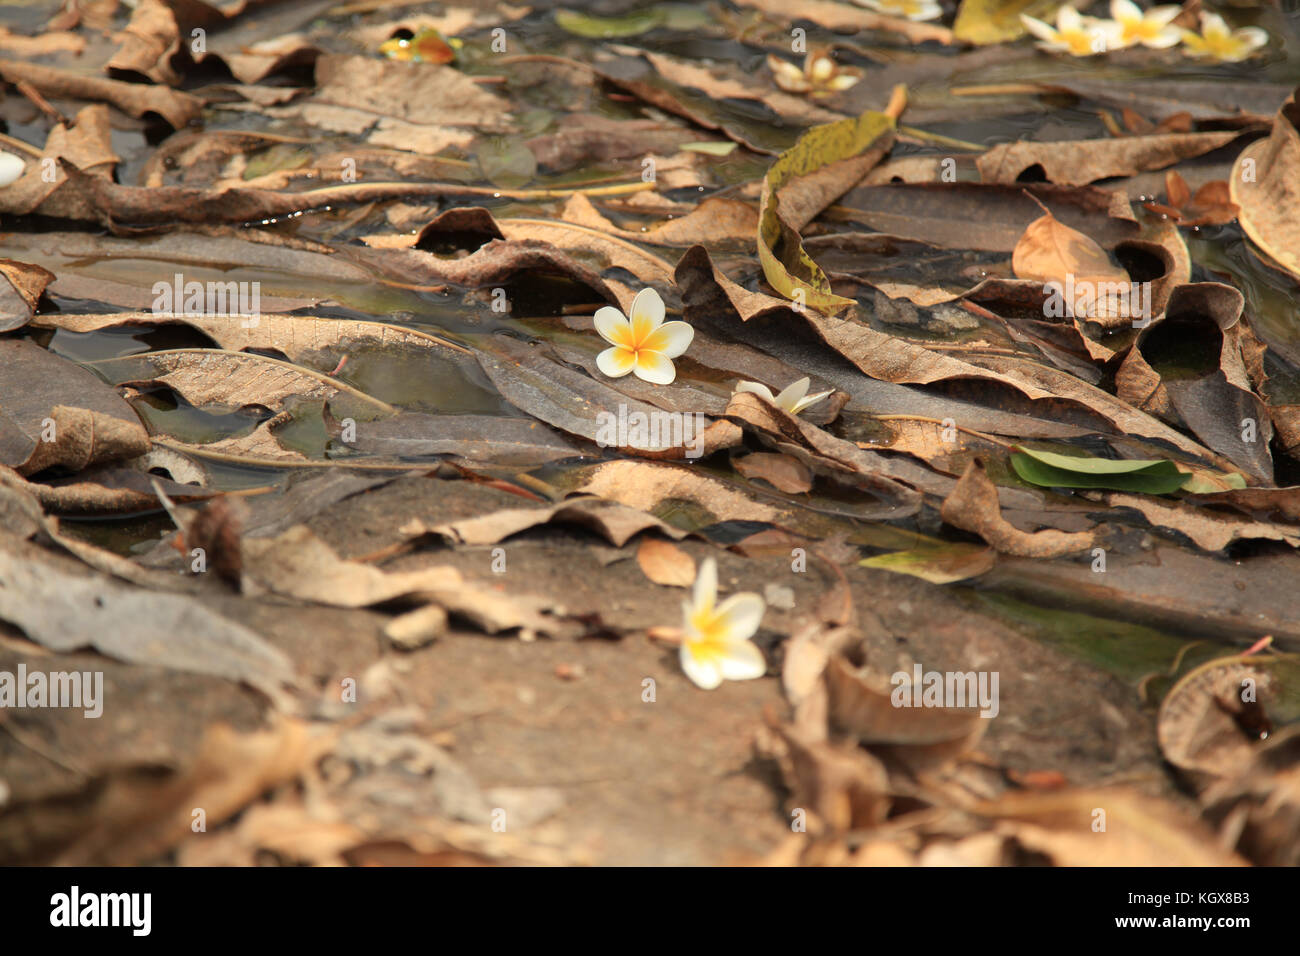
64, 611
825, 163
1050, 251
213, 377
490, 439
1265, 184
1080, 162
53, 412
298, 337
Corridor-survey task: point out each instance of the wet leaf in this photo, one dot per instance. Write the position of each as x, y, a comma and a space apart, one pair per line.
1053, 470
938, 564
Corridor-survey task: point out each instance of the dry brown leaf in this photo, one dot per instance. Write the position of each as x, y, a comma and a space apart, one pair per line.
665, 563
1051, 251
781, 471
973, 506
1079, 162
1213, 719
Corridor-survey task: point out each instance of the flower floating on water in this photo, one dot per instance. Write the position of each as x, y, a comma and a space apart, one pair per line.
11, 167
1218, 41
427, 46
911, 9
820, 75
645, 343
1074, 34
793, 398
1150, 29
717, 643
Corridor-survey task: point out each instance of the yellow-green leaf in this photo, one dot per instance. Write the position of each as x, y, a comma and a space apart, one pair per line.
791, 272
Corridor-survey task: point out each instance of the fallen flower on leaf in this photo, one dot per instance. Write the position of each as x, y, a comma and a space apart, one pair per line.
1218, 41
427, 46
645, 343
717, 643
1150, 29
911, 9
1074, 34
793, 398
820, 75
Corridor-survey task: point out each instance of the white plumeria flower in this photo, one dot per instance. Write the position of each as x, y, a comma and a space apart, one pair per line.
645, 343
820, 75
1074, 34
1150, 29
11, 168
793, 398
717, 643
911, 9
1218, 41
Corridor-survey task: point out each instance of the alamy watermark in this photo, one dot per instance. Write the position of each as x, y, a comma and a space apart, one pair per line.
946, 689
1084, 298
75, 689
179, 298
652, 430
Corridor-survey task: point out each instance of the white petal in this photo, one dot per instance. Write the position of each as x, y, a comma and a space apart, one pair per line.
1123, 10
655, 368
616, 362
647, 313
671, 339
11, 168
742, 661
762, 391
1254, 37
742, 614
808, 402
1163, 40
1068, 20
613, 326
1163, 15
1213, 23
705, 592
703, 672
789, 396
1038, 28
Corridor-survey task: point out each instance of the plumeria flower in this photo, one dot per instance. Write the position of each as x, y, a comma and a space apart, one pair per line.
717, 644
793, 398
820, 75
11, 168
911, 9
645, 343
1150, 29
1218, 41
1074, 34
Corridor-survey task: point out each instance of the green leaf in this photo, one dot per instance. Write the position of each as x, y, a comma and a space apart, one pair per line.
601, 28
711, 148
1051, 470
941, 563
984, 22
793, 273
1198, 485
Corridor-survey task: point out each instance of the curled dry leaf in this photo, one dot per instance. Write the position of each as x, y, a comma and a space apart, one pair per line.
973, 506
38, 431
1214, 718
